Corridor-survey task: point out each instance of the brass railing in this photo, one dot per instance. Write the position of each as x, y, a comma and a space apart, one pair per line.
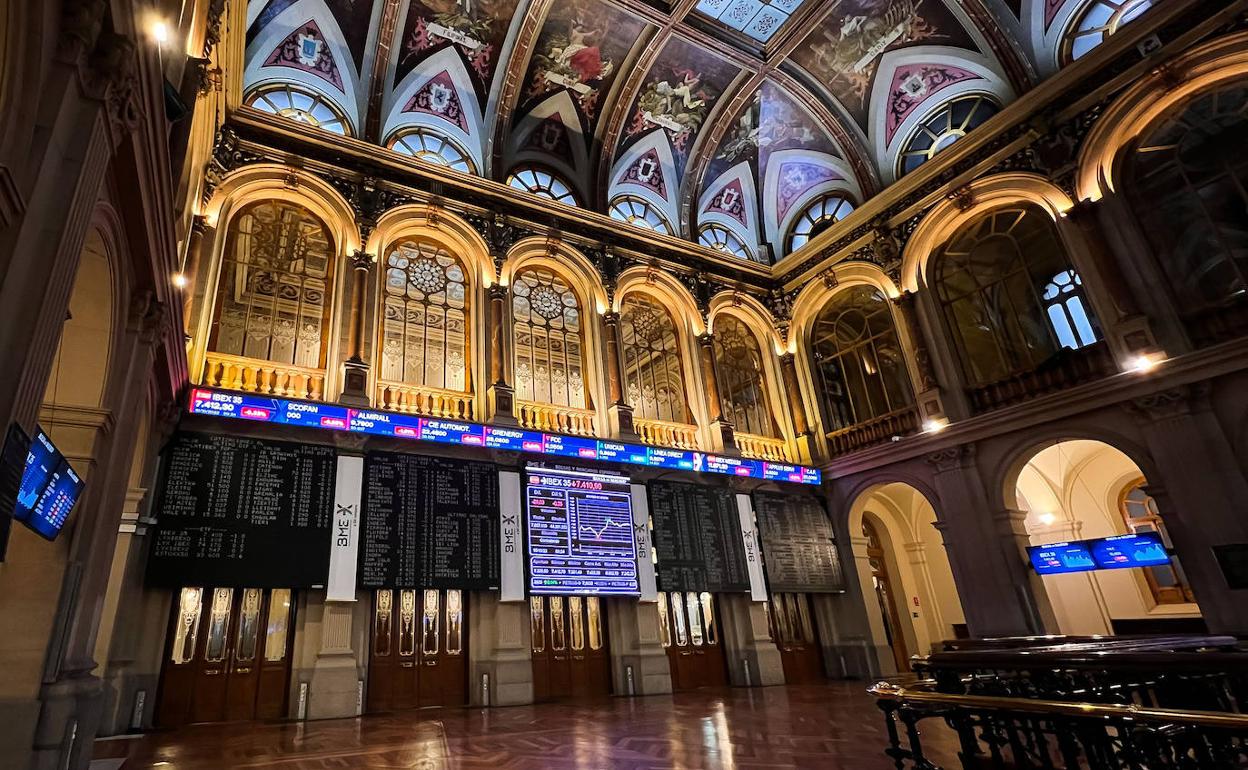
874, 431
252, 375
424, 400
556, 419
676, 435
762, 447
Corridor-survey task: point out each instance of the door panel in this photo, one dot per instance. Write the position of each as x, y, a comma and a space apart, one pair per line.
569, 647
792, 627
417, 652
689, 630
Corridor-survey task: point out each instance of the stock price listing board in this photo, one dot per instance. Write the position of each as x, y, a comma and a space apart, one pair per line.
429, 522
243, 512
799, 550
580, 533
697, 533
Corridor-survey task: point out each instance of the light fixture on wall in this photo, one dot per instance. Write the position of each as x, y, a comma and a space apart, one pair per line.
935, 425
180, 280
160, 32
1144, 362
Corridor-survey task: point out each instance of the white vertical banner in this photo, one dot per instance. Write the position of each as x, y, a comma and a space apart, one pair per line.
511, 570
753, 553
641, 537
344, 548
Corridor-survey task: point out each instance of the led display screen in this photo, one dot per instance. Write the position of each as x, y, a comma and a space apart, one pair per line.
1059, 558
343, 418
579, 526
48, 490
1142, 549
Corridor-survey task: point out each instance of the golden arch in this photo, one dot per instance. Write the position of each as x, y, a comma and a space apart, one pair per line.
569, 263
664, 287
1147, 101
418, 221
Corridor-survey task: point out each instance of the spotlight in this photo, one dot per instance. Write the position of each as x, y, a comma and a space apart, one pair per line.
180, 280
1143, 363
935, 425
160, 32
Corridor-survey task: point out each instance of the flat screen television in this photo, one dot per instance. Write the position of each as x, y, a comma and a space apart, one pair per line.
49, 488
1141, 549
1060, 558
579, 533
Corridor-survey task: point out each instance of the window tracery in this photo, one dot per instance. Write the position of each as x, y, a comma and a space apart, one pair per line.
1096, 22
424, 334
301, 105
541, 183
720, 238
821, 214
741, 378
949, 123
653, 377
1167, 583
640, 213
548, 343
432, 147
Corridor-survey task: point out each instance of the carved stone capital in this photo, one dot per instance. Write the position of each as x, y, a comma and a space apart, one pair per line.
498, 291
952, 458
1170, 403
362, 261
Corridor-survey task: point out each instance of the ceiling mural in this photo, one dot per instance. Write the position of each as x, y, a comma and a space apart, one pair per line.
542, 82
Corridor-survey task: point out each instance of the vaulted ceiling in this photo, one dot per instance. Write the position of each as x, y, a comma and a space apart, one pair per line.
720, 119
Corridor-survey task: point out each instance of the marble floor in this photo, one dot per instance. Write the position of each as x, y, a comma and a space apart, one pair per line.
834, 726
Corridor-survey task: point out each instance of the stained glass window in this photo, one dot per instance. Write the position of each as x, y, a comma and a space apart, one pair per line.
821, 214
301, 105
654, 380
432, 147
274, 295
952, 121
857, 358
639, 213
542, 183
722, 239
549, 349
1097, 21
740, 375
424, 334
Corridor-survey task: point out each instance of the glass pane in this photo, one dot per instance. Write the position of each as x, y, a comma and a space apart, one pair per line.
248, 625
803, 618
678, 620
595, 623
578, 623
429, 622
382, 622
557, 640
665, 629
771, 631
218, 625
454, 622
279, 624
708, 618
186, 631
537, 624
695, 618
407, 623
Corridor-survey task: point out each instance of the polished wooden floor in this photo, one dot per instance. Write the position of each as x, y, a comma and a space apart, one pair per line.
831, 727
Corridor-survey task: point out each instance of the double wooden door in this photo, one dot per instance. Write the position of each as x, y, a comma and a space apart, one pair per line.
417, 650
569, 647
793, 630
228, 656
689, 630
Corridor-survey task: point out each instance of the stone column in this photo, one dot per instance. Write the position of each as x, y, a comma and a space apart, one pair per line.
502, 395
999, 593
721, 428
927, 393
621, 413
355, 370
633, 628
804, 443
500, 648
333, 683
1200, 495
747, 642
194, 287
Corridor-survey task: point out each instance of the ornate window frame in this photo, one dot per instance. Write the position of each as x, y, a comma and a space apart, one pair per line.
300, 104
430, 146
539, 181
943, 126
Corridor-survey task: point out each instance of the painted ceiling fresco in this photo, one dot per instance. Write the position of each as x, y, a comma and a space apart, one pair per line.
621, 100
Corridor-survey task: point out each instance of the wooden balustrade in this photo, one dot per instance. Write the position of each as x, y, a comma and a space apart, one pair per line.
424, 400
873, 431
252, 375
1064, 370
552, 418
676, 435
762, 447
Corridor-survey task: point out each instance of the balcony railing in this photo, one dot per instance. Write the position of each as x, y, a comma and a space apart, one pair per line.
1064, 370
555, 419
252, 375
874, 431
676, 435
424, 400
762, 447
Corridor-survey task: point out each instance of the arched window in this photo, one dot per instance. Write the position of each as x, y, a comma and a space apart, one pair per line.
549, 348
740, 375
639, 213
1188, 183
432, 147
654, 381
302, 105
858, 358
821, 214
1096, 22
424, 326
1068, 310
949, 123
992, 280
541, 183
274, 295
722, 239
1167, 583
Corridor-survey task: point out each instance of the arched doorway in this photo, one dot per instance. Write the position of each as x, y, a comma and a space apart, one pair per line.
1082, 489
910, 598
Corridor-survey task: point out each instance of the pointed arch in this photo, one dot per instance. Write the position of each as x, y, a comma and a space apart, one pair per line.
648, 171
438, 93
794, 179
731, 201
551, 134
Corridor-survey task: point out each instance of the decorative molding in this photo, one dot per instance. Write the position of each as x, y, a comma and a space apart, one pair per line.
952, 458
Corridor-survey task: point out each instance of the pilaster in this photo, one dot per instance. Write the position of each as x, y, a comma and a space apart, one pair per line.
334, 679
619, 412
722, 437
633, 628
500, 649
747, 642
355, 369
502, 396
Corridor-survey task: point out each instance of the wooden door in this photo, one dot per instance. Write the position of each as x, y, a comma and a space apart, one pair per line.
416, 652
689, 630
228, 656
569, 647
793, 630
882, 584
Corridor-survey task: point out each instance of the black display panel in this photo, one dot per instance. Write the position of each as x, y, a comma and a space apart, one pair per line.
579, 527
799, 548
697, 533
243, 513
429, 522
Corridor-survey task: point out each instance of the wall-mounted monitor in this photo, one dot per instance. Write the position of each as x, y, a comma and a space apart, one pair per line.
1142, 549
49, 488
579, 529
1060, 558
